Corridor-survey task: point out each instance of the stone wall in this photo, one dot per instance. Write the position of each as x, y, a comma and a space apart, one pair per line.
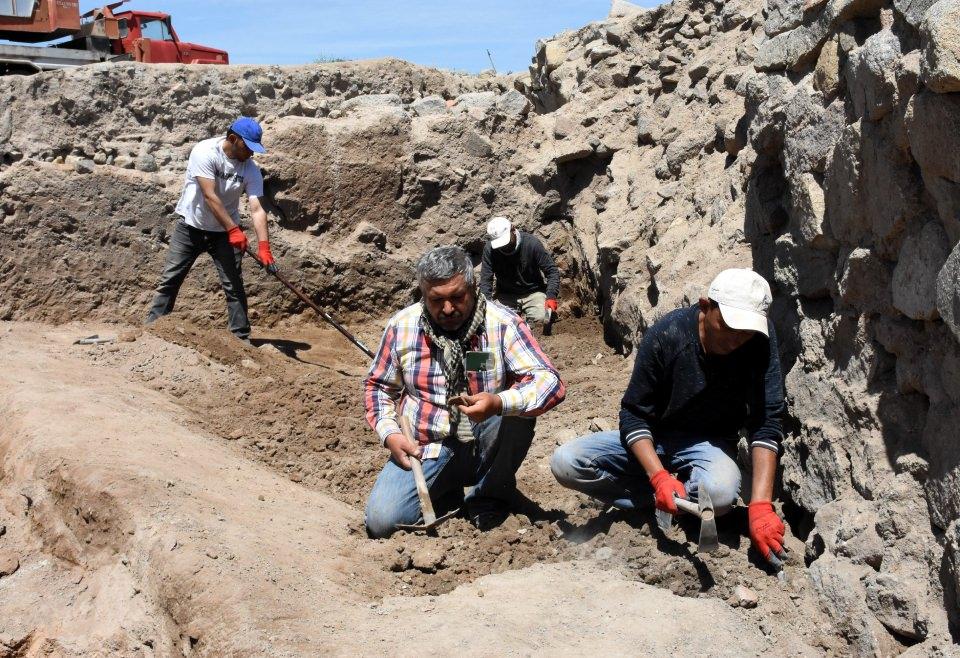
816, 142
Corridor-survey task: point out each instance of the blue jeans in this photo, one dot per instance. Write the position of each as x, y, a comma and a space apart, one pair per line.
489, 465
599, 466
186, 245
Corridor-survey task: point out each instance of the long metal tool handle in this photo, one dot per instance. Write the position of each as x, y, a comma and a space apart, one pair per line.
426, 505
309, 302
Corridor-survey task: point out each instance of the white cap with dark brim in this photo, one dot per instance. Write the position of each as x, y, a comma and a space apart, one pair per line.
499, 230
744, 298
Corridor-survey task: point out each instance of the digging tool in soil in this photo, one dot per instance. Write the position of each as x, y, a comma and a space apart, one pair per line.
703, 509
306, 300
430, 520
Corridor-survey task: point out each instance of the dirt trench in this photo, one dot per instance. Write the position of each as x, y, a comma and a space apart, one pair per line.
292, 403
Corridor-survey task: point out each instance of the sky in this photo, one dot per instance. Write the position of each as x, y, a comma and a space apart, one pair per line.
451, 34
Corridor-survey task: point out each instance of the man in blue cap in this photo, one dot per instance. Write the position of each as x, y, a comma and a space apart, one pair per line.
219, 171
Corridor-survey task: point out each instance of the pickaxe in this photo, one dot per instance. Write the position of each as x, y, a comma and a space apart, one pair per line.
703, 508
430, 520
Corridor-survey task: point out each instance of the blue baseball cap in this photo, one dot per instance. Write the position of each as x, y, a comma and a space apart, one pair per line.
251, 133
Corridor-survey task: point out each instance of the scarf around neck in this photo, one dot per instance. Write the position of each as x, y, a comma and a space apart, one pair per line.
453, 348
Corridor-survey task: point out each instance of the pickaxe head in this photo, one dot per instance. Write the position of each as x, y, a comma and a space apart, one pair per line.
708, 523
703, 508
427, 526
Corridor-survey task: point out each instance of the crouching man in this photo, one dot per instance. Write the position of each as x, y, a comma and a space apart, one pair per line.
701, 375
454, 343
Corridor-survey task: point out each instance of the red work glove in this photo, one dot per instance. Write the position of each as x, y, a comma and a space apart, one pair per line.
265, 257
551, 304
237, 239
664, 486
766, 529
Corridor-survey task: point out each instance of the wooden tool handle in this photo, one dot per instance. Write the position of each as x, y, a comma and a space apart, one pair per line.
426, 507
687, 506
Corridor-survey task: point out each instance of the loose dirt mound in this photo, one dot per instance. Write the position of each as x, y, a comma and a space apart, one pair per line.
133, 531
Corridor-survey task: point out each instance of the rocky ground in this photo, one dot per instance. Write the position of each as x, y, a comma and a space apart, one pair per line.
813, 141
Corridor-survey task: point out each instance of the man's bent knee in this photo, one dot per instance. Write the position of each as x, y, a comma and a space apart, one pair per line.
723, 486
569, 466
382, 515
380, 523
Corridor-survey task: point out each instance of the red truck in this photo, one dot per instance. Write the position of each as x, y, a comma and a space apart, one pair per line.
99, 35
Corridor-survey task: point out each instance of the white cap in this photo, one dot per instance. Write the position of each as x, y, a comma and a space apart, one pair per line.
498, 230
744, 297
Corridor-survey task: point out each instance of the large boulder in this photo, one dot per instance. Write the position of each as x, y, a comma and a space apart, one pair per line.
827, 73
807, 212
624, 9
933, 129
890, 189
840, 586
783, 15
801, 270
864, 282
895, 603
941, 55
915, 276
844, 215
810, 132
871, 76
372, 102
948, 291
913, 10
799, 47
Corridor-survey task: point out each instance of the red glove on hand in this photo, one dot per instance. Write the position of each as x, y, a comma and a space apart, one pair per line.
265, 257
664, 486
237, 239
766, 529
551, 304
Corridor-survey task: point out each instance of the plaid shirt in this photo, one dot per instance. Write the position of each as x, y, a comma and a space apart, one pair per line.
407, 365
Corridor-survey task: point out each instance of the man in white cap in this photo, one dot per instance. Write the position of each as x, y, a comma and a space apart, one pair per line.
519, 262
702, 374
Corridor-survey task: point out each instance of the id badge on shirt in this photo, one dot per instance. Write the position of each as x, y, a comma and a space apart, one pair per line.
478, 361
430, 451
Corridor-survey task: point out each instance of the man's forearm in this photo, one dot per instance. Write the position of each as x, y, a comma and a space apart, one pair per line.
764, 472
219, 211
646, 454
260, 225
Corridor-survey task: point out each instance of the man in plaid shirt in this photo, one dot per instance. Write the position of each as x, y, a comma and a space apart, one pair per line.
454, 343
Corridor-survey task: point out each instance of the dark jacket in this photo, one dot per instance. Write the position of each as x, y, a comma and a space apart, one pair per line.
521, 272
678, 389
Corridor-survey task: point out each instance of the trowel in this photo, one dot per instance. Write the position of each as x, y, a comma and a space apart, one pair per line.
430, 520
703, 509
548, 317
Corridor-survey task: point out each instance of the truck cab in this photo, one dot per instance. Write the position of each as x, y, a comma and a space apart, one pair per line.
150, 38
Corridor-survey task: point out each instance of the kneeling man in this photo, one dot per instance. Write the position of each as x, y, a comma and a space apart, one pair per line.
454, 344
701, 375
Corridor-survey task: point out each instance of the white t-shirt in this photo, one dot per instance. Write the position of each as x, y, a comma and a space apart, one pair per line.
231, 178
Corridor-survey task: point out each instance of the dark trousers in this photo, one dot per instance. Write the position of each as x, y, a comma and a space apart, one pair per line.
186, 245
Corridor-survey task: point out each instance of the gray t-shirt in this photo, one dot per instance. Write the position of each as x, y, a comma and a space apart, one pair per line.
231, 178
